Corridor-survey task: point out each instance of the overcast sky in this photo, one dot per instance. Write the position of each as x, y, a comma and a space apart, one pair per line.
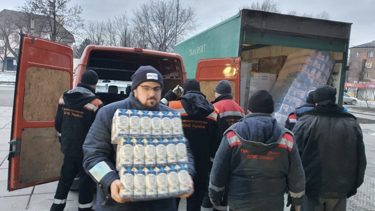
211, 12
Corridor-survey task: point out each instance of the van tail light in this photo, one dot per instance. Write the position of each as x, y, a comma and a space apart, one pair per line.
140, 50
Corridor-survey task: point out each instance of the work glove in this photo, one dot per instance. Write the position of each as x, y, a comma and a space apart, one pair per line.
215, 202
178, 90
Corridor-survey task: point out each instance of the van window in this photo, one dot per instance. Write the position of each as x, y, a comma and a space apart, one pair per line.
115, 69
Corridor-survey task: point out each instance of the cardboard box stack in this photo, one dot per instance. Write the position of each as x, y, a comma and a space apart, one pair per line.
303, 71
151, 154
261, 81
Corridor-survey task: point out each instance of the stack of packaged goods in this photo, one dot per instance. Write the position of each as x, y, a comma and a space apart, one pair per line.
151, 154
302, 71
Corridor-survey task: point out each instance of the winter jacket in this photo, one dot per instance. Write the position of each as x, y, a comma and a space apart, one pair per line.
295, 115
75, 114
258, 161
99, 156
229, 111
199, 121
332, 151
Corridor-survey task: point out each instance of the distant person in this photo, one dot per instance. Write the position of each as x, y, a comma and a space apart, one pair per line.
332, 151
257, 161
199, 118
229, 113
75, 114
300, 111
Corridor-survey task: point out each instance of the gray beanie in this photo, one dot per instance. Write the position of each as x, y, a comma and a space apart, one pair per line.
223, 87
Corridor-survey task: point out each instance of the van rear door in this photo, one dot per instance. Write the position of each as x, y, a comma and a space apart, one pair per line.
45, 71
211, 71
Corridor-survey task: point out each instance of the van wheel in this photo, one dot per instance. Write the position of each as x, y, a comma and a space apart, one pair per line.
353, 102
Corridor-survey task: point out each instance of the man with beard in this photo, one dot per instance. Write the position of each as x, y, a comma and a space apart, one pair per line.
99, 160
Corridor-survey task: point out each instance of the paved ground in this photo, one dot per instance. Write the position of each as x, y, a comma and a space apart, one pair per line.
39, 198
7, 95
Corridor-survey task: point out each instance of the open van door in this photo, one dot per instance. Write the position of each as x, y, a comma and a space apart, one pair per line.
45, 71
211, 71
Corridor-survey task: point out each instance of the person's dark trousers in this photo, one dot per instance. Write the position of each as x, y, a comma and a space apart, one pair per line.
322, 204
71, 167
194, 202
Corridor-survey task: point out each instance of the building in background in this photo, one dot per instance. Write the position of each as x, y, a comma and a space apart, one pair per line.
12, 23
362, 63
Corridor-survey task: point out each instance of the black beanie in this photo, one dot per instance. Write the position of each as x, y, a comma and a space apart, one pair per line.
223, 87
89, 77
310, 97
261, 102
191, 84
325, 92
146, 73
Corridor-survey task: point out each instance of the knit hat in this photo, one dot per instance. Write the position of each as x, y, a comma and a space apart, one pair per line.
146, 73
89, 77
223, 87
310, 97
261, 102
325, 92
191, 84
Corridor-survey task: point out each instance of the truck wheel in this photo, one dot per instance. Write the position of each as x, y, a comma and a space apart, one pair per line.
353, 102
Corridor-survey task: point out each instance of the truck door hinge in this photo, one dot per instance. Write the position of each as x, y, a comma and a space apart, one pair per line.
15, 145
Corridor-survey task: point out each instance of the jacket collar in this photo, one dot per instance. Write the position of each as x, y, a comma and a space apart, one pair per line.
223, 97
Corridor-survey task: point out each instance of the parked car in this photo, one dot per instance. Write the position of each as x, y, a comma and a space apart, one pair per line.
347, 99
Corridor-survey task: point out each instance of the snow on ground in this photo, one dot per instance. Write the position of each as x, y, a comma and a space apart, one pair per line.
8, 76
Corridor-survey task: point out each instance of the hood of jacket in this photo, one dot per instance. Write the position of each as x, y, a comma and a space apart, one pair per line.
259, 131
196, 104
79, 96
328, 108
304, 108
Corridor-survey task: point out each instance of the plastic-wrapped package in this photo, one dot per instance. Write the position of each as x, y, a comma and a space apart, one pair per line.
171, 151
151, 187
150, 152
124, 155
162, 182
166, 122
139, 153
149, 162
173, 184
302, 71
181, 150
183, 178
156, 126
127, 180
120, 125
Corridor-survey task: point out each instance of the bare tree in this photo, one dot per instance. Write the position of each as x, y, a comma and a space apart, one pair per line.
292, 12
366, 95
266, 5
323, 15
78, 49
123, 31
156, 26
96, 32
55, 16
9, 34
110, 33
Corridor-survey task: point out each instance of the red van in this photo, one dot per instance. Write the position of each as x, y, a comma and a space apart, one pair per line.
45, 72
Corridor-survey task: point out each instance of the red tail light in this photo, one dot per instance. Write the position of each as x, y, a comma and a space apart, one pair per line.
140, 50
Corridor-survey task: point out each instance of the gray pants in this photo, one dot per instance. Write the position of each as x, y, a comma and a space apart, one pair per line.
323, 204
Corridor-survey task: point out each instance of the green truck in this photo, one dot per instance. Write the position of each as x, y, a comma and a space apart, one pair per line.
253, 49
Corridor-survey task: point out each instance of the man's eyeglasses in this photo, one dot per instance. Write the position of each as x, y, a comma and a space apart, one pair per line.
147, 88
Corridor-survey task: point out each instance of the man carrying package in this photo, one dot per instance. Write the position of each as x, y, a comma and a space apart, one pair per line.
99, 159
